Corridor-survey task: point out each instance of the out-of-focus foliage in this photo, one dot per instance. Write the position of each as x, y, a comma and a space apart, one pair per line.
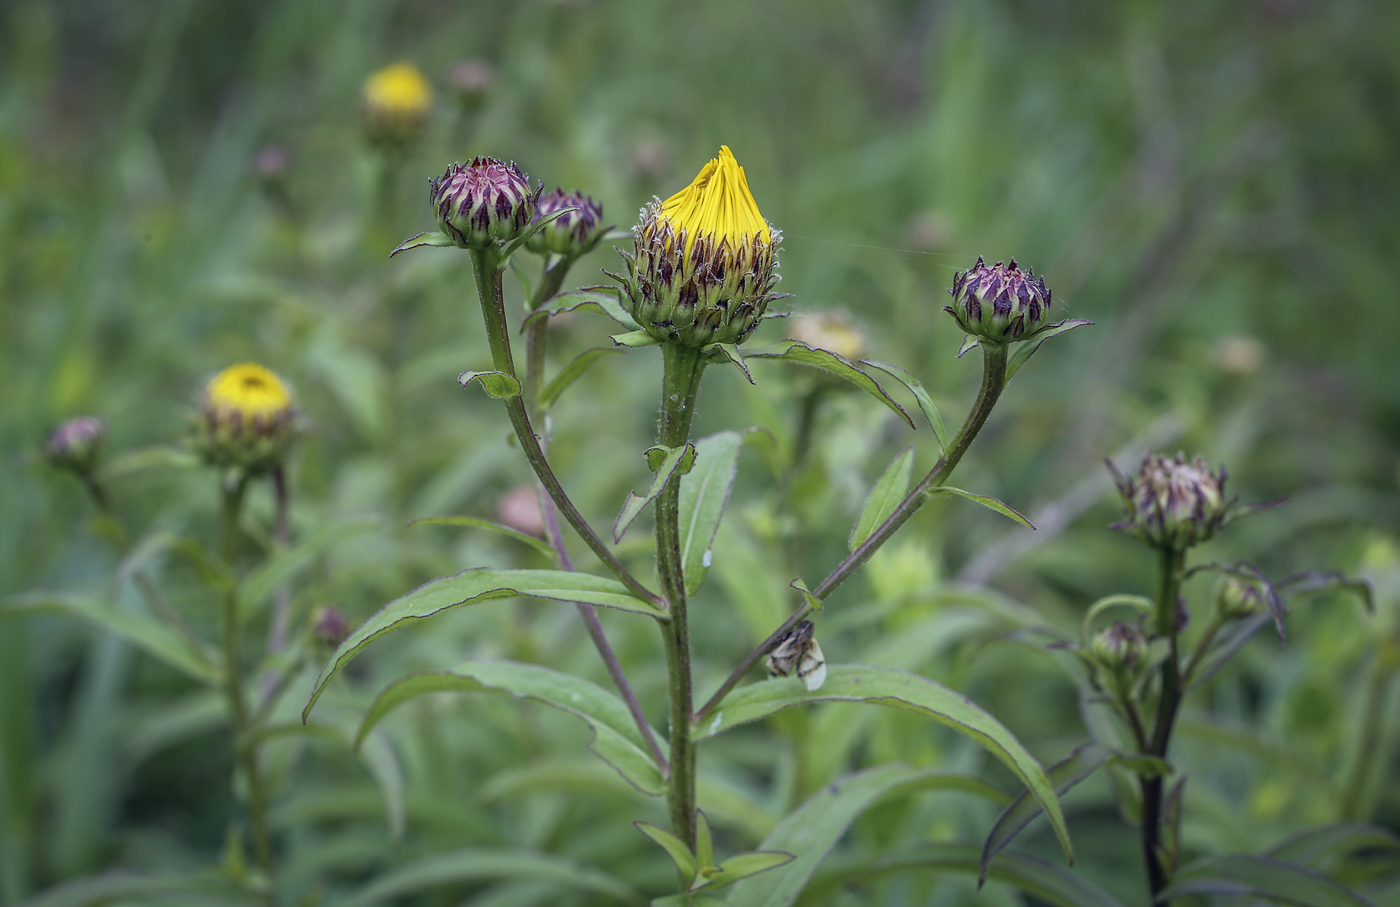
185, 185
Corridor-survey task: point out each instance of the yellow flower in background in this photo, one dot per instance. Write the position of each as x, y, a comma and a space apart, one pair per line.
705, 261
397, 100
247, 418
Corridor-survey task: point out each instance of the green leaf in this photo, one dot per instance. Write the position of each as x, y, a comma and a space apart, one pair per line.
915, 387
128, 888
884, 497
605, 302
988, 502
152, 636
378, 756
1065, 774
1027, 349
680, 459
689, 900
481, 864
807, 595
675, 848
968, 343
497, 384
634, 339
538, 544
1312, 581
1035, 877
478, 584
572, 372
813, 829
704, 492
704, 844
615, 736
741, 866
149, 458
282, 566
1249, 876
802, 354
731, 353
896, 689
1316, 844
423, 239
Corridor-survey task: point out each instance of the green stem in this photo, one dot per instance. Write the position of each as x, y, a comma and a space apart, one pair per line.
1165, 617
247, 755
550, 282
683, 367
994, 358
489, 289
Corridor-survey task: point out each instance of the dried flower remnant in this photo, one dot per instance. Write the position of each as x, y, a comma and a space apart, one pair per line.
799, 653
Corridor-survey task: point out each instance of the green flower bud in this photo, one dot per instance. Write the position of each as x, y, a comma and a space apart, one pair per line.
1000, 303
570, 234
1236, 599
1119, 646
484, 203
75, 444
1171, 503
705, 261
246, 419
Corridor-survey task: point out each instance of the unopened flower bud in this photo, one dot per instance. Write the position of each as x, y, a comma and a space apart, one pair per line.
519, 509
831, 331
471, 80
484, 203
1236, 599
329, 625
1000, 303
246, 419
1173, 503
1119, 646
397, 99
75, 444
705, 261
571, 234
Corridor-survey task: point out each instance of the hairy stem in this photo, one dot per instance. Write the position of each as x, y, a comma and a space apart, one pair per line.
993, 382
1169, 702
679, 385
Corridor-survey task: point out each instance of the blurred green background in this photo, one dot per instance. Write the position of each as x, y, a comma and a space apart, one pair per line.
187, 185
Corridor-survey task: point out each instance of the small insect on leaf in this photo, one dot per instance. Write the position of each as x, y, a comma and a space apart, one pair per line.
799, 653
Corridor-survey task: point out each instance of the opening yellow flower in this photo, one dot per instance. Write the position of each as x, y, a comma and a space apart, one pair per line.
248, 389
399, 90
717, 202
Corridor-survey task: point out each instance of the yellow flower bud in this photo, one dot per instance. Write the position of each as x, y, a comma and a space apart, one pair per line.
246, 419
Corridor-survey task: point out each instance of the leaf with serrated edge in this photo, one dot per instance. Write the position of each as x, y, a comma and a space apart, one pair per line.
616, 739
538, 544
478, 584
675, 848
572, 372
802, 354
989, 502
704, 493
1028, 348
680, 458
895, 689
915, 387
1272, 880
884, 497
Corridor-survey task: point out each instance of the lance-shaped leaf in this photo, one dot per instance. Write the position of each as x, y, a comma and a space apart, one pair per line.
675, 848
704, 492
895, 689
605, 301
1035, 877
666, 463
1065, 774
731, 353
497, 384
423, 239
915, 387
470, 587
202, 887
634, 339
1312, 581
1317, 844
742, 865
802, 354
1027, 349
1249, 876
146, 633
484, 865
616, 739
989, 502
572, 372
884, 497
535, 542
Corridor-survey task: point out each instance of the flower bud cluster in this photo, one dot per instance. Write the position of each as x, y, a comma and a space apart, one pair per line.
75, 444
1173, 503
1000, 303
572, 233
484, 203
246, 419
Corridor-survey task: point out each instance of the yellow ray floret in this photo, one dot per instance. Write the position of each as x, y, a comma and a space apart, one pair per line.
398, 89
248, 389
718, 202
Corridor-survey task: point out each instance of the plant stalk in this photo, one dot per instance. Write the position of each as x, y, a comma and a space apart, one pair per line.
1165, 617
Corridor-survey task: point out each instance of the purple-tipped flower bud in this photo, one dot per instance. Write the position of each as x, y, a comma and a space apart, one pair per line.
1000, 303
246, 419
570, 234
705, 261
75, 444
1119, 646
1173, 503
329, 625
484, 203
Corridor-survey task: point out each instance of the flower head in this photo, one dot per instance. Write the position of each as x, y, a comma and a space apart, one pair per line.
571, 234
246, 419
1172, 502
483, 203
75, 444
1000, 303
397, 99
704, 263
